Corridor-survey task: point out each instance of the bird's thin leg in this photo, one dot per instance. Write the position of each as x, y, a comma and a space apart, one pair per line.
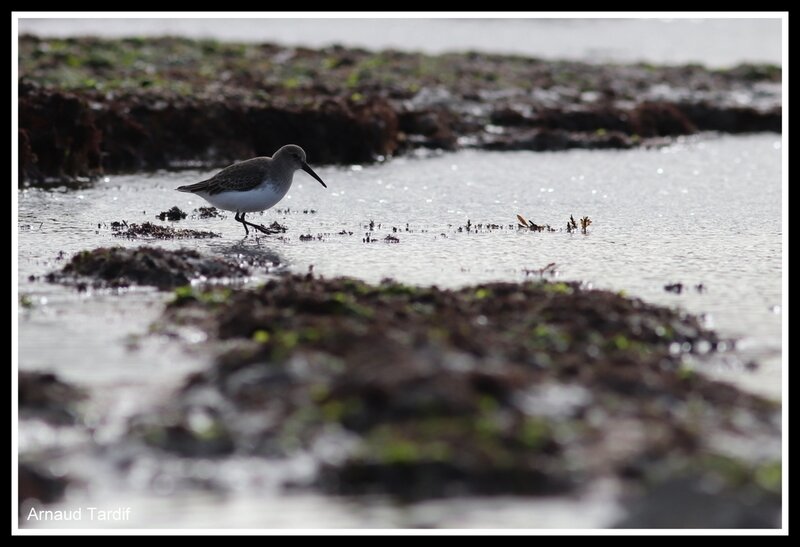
238, 218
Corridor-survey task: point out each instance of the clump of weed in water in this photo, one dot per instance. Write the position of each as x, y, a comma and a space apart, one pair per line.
173, 214
550, 270
530, 225
572, 225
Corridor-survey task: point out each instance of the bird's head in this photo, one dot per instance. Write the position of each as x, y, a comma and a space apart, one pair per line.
296, 158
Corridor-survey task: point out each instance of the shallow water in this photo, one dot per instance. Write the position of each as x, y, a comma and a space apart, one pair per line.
704, 210
713, 42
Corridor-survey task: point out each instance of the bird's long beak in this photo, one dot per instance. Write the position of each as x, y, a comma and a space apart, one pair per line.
311, 172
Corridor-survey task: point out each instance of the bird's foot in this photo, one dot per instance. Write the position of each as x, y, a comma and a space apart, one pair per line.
272, 229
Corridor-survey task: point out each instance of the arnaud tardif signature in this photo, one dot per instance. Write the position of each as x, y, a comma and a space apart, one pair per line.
87, 513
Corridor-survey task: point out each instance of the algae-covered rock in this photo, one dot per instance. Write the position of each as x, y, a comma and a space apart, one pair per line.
120, 267
500, 388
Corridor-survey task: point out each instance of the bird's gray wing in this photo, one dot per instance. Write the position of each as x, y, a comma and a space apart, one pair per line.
238, 177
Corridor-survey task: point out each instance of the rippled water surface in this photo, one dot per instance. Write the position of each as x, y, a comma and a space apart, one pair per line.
706, 210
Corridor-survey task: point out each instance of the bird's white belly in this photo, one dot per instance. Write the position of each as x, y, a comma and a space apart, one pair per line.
258, 199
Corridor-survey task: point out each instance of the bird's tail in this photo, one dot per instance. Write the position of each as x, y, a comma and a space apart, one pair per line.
196, 187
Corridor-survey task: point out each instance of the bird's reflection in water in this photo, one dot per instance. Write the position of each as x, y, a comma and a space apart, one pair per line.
258, 256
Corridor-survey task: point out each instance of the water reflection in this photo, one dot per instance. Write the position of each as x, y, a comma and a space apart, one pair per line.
258, 253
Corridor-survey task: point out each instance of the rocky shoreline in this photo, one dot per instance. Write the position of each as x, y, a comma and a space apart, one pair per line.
91, 106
